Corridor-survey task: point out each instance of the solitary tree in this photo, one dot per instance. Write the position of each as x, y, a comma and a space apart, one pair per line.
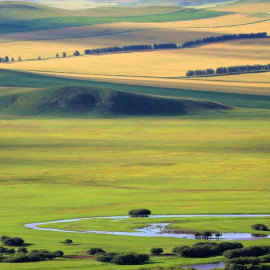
68, 241
218, 235
39, 58
64, 55
207, 235
19, 58
6, 59
57, 55
76, 53
12, 59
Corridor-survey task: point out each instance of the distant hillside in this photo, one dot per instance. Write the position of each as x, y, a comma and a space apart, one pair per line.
93, 101
82, 4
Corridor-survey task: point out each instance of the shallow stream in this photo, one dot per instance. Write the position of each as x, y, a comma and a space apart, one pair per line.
155, 229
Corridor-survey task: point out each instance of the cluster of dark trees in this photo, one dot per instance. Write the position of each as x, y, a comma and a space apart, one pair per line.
121, 258
260, 227
249, 259
139, 213
22, 254
6, 59
204, 249
9, 241
228, 70
222, 38
247, 252
207, 235
7, 251
33, 256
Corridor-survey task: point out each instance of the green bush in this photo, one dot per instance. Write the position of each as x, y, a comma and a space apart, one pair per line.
259, 227
247, 252
156, 251
178, 249
22, 249
105, 257
93, 251
15, 241
130, 259
139, 213
58, 253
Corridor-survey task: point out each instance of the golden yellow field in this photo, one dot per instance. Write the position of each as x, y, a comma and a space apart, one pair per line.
161, 63
48, 43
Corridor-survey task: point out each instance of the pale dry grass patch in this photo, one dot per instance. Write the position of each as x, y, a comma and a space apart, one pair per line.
244, 7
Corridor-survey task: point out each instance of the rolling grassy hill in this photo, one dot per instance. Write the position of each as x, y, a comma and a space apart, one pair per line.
78, 4
29, 80
16, 11
17, 17
94, 101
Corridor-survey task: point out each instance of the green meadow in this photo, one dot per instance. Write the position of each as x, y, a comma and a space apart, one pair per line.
74, 148
68, 168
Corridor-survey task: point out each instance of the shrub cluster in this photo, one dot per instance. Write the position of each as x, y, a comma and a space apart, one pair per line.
222, 38
247, 252
234, 266
93, 251
203, 249
156, 251
8, 251
247, 262
260, 227
229, 70
9, 241
123, 258
32, 256
139, 213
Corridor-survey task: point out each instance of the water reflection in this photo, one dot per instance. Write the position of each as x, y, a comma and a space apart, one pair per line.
206, 266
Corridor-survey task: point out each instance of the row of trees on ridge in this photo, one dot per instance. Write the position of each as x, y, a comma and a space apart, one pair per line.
161, 46
228, 70
222, 38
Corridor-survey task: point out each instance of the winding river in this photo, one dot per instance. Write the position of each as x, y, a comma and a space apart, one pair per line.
155, 229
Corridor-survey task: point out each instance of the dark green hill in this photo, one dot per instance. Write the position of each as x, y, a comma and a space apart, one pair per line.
92, 101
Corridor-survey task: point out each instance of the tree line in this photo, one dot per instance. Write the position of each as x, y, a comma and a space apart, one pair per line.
228, 70
6, 59
222, 38
141, 47
160, 46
